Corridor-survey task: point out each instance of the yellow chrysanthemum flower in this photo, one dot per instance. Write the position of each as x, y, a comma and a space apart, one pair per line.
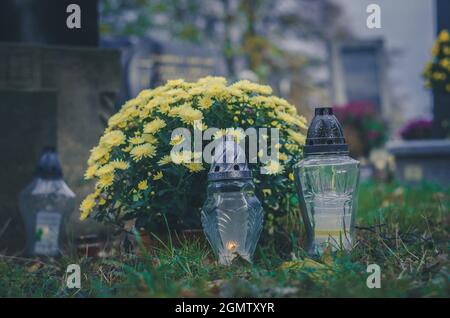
199, 125
205, 102
282, 156
120, 164
444, 36
154, 126
148, 138
165, 160
220, 133
209, 80
174, 111
175, 83
106, 169
105, 181
189, 115
116, 119
143, 151
262, 101
297, 137
291, 147
237, 133
97, 153
181, 156
90, 172
164, 108
176, 140
87, 206
113, 138
136, 140
246, 85
447, 50
143, 185
291, 176
273, 167
158, 175
194, 166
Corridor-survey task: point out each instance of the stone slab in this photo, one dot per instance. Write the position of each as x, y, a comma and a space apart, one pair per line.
421, 161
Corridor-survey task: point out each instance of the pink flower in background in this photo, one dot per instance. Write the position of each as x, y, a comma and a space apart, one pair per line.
362, 117
372, 135
417, 129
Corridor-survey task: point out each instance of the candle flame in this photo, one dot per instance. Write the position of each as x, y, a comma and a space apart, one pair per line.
231, 246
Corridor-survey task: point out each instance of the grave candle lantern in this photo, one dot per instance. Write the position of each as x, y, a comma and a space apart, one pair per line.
232, 215
327, 180
45, 204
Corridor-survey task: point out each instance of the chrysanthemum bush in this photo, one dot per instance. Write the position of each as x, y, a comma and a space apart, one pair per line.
137, 179
437, 71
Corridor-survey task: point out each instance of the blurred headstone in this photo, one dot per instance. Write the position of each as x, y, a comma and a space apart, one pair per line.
421, 161
443, 15
44, 22
28, 121
358, 73
148, 63
53, 92
75, 91
441, 108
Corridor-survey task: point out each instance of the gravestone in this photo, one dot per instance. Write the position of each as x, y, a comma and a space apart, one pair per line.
441, 99
54, 91
148, 63
428, 160
52, 95
358, 73
44, 22
418, 161
28, 122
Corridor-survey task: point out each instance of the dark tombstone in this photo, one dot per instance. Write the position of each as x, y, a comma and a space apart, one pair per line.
358, 73
27, 124
443, 15
44, 22
83, 83
441, 108
54, 91
148, 63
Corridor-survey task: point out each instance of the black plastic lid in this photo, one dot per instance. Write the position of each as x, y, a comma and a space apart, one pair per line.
325, 134
49, 166
229, 162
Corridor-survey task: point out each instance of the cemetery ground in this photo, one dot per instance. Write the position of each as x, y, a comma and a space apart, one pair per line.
403, 230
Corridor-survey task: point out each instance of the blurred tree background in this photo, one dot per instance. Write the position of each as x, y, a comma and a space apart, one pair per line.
255, 37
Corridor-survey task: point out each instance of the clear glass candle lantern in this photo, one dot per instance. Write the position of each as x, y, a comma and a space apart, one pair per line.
232, 215
327, 180
45, 204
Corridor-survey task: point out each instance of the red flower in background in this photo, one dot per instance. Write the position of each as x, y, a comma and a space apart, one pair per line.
362, 117
417, 129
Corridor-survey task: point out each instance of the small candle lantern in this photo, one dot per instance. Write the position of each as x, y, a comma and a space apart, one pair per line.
327, 180
232, 215
45, 204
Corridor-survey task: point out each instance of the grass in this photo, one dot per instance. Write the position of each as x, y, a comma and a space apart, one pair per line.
403, 230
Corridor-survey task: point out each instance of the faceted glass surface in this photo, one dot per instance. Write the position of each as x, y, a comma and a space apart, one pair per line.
329, 187
232, 219
45, 205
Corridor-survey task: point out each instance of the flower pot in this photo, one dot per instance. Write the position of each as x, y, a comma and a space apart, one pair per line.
441, 114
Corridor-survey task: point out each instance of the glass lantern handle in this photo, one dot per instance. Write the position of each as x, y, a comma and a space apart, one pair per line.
304, 212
